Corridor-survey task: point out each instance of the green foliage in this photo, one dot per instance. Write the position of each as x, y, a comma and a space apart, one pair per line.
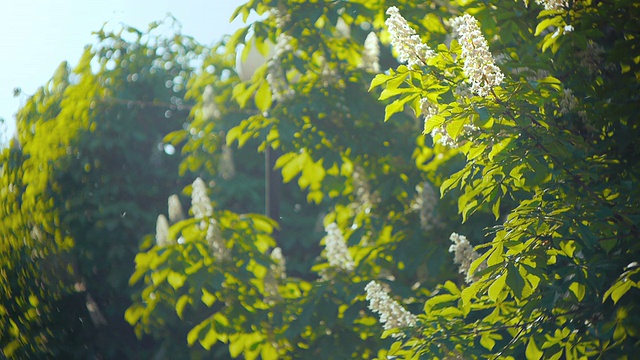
81, 188
540, 174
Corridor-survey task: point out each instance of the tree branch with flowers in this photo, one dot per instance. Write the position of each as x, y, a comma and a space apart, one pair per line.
522, 114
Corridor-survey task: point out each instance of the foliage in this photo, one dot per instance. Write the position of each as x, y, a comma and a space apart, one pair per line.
81, 186
556, 138
523, 115
540, 166
335, 147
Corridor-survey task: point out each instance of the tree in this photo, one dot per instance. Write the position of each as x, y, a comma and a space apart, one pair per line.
342, 157
529, 120
80, 187
523, 116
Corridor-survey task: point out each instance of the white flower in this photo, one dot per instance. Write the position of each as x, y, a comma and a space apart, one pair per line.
479, 65
552, 4
337, 252
200, 202
392, 314
329, 75
277, 272
226, 166
282, 16
276, 75
427, 201
568, 28
568, 102
342, 29
405, 41
175, 209
427, 109
216, 242
279, 268
162, 231
592, 57
440, 136
209, 109
371, 53
464, 255
463, 91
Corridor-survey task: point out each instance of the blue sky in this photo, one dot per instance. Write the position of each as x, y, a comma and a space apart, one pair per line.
37, 35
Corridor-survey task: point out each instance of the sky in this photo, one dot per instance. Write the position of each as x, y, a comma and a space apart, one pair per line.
37, 35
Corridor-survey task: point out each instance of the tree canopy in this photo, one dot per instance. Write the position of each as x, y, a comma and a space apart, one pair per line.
459, 181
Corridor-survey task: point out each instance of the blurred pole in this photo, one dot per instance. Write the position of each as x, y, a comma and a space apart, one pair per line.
272, 187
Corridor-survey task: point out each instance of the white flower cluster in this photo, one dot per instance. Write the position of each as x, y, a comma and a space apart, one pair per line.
440, 136
479, 65
553, 4
202, 208
343, 30
463, 92
337, 252
427, 201
464, 254
392, 314
209, 109
568, 101
162, 231
36, 234
329, 75
427, 109
276, 75
279, 268
216, 242
281, 15
405, 41
200, 202
175, 209
592, 57
277, 272
226, 166
371, 53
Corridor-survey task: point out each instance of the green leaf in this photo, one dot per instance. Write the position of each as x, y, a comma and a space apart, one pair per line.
181, 304
242, 93
496, 287
397, 106
207, 297
618, 290
578, 290
233, 134
532, 352
497, 148
263, 97
544, 24
194, 334
210, 338
379, 80
487, 341
268, 352
454, 128
432, 123
568, 247
176, 280
133, 314
515, 281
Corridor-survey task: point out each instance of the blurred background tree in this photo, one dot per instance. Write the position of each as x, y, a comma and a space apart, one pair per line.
82, 182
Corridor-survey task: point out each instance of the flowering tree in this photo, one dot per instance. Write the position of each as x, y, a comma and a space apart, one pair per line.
557, 278
522, 114
460, 181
